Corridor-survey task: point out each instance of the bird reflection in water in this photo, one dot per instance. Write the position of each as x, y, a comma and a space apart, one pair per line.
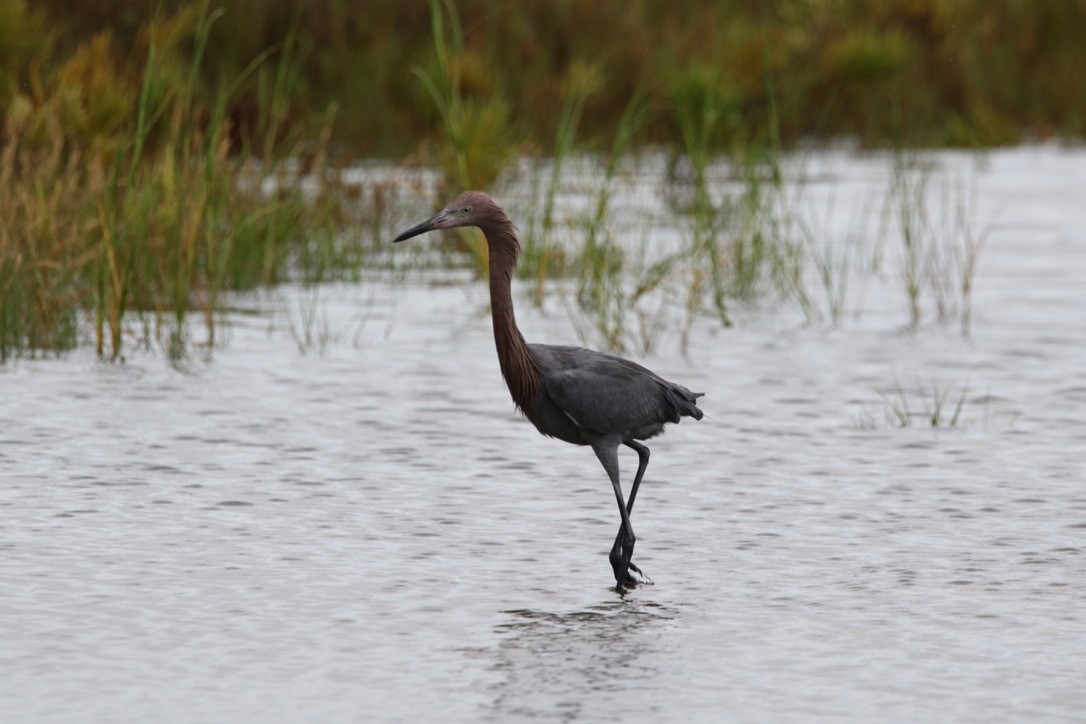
555, 665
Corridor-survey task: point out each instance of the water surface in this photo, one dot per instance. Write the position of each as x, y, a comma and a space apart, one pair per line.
371, 533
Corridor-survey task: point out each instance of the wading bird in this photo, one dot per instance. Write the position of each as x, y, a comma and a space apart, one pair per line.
574, 394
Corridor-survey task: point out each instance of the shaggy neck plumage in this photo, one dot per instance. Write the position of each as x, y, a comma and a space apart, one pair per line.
519, 367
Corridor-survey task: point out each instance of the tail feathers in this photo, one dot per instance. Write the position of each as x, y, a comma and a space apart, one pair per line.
686, 402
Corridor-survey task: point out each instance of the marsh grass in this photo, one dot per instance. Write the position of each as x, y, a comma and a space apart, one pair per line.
921, 232
309, 325
136, 233
172, 231
751, 236
132, 202
740, 246
618, 284
542, 256
939, 244
477, 137
601, 264
703, 101
824, 270
43, 221
740, 229
927, 404
634, 118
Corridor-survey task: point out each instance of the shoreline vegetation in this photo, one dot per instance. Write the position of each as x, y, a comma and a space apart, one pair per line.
154, 161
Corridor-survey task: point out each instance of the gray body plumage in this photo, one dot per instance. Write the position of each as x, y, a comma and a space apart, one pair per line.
587, 396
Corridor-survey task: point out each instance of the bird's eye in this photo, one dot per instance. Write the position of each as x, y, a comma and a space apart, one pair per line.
465, 211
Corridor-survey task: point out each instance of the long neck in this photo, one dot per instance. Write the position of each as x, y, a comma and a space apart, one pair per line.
519, 368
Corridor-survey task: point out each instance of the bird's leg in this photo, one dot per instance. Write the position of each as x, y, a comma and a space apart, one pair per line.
642, 464
620, 544
607, 452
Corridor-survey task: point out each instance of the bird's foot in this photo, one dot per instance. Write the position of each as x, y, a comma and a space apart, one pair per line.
641, 579
624, 569
629, 580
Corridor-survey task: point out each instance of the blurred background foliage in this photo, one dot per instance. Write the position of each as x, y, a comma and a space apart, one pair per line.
153, 152
883, 72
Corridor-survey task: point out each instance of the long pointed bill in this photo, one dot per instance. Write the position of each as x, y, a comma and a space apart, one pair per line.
429, 225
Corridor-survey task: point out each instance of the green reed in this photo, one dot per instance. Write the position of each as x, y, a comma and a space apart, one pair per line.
939, 244
42, 219
927, 403
542, 255
159, 218
598, 252
147, 225
476, 133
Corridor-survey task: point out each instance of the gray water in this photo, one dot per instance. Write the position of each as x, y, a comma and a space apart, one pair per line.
371, 534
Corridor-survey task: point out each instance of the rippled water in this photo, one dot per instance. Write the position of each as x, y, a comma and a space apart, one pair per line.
372, 534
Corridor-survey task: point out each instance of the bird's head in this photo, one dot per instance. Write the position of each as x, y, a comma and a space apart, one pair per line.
471, 208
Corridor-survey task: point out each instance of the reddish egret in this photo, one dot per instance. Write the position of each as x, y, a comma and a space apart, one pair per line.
573, 394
